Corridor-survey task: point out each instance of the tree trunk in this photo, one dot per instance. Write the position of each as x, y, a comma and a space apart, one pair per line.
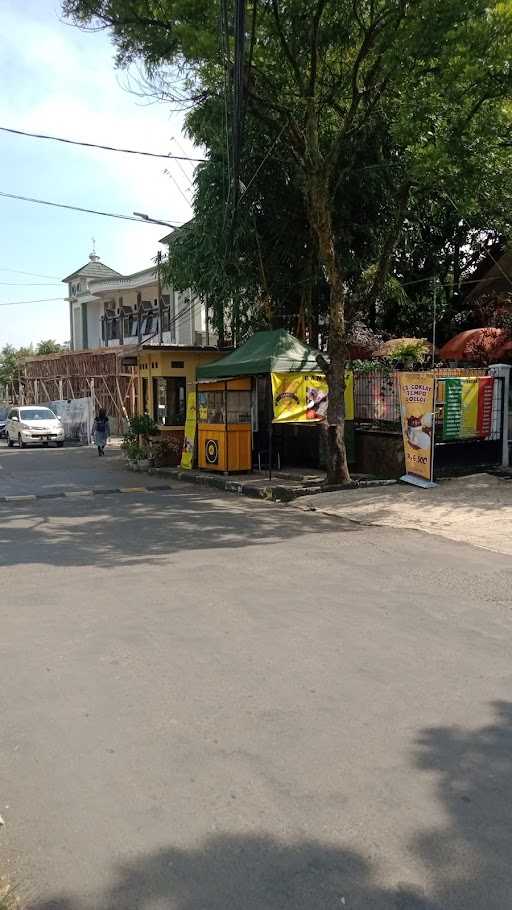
337, 466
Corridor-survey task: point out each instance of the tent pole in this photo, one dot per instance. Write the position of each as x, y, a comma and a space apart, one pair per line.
226, 427
270, 428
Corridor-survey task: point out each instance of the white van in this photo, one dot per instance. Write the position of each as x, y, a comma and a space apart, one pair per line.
33, 424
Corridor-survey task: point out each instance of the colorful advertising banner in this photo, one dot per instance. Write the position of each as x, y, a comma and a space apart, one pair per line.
302, 397
189, 441
468, 404
417, 413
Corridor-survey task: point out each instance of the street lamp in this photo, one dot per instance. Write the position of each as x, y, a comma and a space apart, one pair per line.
145, 217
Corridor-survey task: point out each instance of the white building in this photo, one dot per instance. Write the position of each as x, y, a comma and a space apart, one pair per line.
107, 309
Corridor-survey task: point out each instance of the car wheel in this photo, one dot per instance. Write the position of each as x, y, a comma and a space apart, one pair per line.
22, 445
45, 445
59, 445
10, 442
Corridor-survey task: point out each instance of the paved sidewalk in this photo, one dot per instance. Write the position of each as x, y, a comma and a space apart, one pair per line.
475, 509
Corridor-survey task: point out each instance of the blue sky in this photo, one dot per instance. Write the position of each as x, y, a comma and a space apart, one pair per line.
62, 81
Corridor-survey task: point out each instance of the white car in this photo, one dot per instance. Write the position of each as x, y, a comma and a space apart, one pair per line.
33, 424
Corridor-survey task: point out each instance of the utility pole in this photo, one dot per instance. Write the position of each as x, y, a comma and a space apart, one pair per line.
160, 302
434, 315
139, 317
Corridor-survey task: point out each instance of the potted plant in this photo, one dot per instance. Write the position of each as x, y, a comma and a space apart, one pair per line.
137, 442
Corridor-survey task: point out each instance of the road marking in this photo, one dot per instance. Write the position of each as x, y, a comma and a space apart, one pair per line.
78, 494
25, 498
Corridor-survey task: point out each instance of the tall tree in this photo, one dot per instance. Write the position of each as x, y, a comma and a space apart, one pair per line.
50, 346
10, 360
428, 80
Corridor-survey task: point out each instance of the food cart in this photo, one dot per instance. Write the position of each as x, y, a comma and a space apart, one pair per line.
224, 425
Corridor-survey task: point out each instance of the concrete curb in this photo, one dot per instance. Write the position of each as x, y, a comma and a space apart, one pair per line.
273, 492
83, 494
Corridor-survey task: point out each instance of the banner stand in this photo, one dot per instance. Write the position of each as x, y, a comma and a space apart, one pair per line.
418, 481
418, 418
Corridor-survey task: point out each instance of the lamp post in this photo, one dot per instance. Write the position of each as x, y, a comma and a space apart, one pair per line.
147, 218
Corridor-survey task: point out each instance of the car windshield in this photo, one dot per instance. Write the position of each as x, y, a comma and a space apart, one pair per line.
37, 414
3, 413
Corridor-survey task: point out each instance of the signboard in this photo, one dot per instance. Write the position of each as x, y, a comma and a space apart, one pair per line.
303, 397
211, 451
468, 405
417, 414
189, 441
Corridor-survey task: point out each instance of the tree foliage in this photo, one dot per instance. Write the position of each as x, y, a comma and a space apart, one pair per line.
50, 346
10, 362
422, 85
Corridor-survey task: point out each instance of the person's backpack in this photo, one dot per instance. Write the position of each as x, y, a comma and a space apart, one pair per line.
101, 424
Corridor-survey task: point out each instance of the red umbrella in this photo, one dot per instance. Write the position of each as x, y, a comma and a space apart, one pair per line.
474, 344
504, 350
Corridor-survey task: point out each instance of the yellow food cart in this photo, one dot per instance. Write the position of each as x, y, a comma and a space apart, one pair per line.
224, 425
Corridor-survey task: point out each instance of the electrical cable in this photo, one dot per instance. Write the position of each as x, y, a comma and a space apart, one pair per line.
23, 302
33, 274
77, 208
31, 284
95, 145
496, 263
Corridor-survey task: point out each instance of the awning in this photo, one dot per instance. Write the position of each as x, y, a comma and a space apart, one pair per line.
275, 351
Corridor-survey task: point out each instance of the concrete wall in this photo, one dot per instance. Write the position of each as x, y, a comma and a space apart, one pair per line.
94, 313
379, 453
155, 363
77, 326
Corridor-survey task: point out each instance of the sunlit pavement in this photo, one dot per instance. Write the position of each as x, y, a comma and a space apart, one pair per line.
212, 703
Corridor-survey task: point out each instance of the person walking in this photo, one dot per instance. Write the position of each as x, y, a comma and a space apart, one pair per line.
101, 430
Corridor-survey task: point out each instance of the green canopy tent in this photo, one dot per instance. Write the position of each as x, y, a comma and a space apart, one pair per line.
275, 351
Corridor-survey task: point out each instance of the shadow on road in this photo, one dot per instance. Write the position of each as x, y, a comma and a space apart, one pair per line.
123, 529
230, 872
466, 862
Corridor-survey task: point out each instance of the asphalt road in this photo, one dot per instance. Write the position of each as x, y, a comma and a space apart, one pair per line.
210, 703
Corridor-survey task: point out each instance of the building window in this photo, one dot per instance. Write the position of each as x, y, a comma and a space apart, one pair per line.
129, 326
166, 313
169, 400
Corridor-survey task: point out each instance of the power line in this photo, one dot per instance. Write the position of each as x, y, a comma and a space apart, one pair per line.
77, 208
33, 274
31, 284
95, 145
43, 300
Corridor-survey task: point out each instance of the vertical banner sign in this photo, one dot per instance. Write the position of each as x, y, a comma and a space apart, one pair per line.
485, 402
468, 406
189, 441
302, 397
452, 419
417, 411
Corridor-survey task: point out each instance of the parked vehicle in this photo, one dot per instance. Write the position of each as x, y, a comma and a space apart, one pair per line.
33, 424
3, 420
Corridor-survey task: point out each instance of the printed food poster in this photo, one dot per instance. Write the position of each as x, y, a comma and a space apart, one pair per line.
303, 397
417, 407
189, 441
